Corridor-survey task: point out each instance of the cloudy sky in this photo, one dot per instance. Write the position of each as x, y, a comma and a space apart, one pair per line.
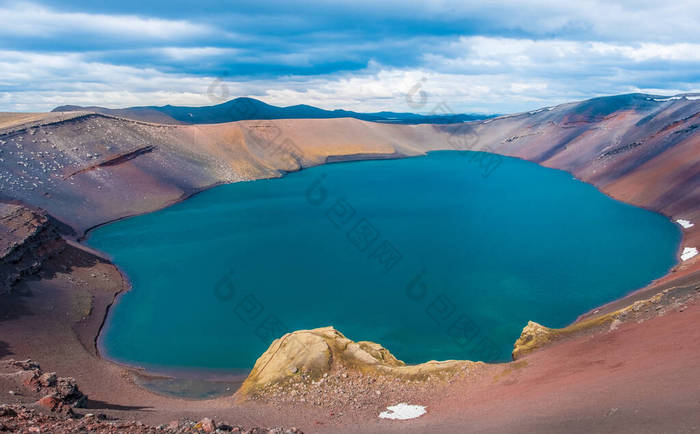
361, 55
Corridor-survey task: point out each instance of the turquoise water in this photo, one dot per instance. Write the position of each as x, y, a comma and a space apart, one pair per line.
218, 277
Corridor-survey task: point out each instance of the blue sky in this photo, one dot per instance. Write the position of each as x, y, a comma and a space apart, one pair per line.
361, 55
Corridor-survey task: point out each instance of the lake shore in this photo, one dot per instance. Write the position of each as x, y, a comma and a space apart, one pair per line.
466, 223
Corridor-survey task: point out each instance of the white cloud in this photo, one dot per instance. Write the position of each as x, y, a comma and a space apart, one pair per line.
613, 20
33, 20
600, 47
650, 51
470, 74
480, 53
194, 53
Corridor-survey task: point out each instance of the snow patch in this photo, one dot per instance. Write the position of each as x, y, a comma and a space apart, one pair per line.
692, 98
688, 253
403, 411
668, 99
685, 223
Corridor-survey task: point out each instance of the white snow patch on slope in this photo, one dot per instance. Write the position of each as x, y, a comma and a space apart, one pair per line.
685, 223
403, 411
667, 99
688, 253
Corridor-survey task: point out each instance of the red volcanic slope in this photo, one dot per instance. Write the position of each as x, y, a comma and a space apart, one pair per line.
87, 169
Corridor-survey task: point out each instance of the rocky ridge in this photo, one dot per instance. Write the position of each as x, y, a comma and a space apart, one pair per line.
27, 239
535, 336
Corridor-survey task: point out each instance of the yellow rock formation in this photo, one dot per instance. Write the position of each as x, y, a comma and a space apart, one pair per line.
319, 351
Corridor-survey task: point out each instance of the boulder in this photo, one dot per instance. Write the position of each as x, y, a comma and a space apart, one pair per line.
55, 404
48, 379
67, 390
7, 411
205, 425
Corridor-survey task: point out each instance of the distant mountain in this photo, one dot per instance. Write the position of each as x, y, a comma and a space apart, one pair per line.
249, 108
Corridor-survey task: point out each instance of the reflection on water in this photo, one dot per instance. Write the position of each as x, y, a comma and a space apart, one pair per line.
188, 388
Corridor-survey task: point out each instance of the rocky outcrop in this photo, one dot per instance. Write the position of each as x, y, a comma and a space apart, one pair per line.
58, 394
533, 336
312, 354
27, 239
